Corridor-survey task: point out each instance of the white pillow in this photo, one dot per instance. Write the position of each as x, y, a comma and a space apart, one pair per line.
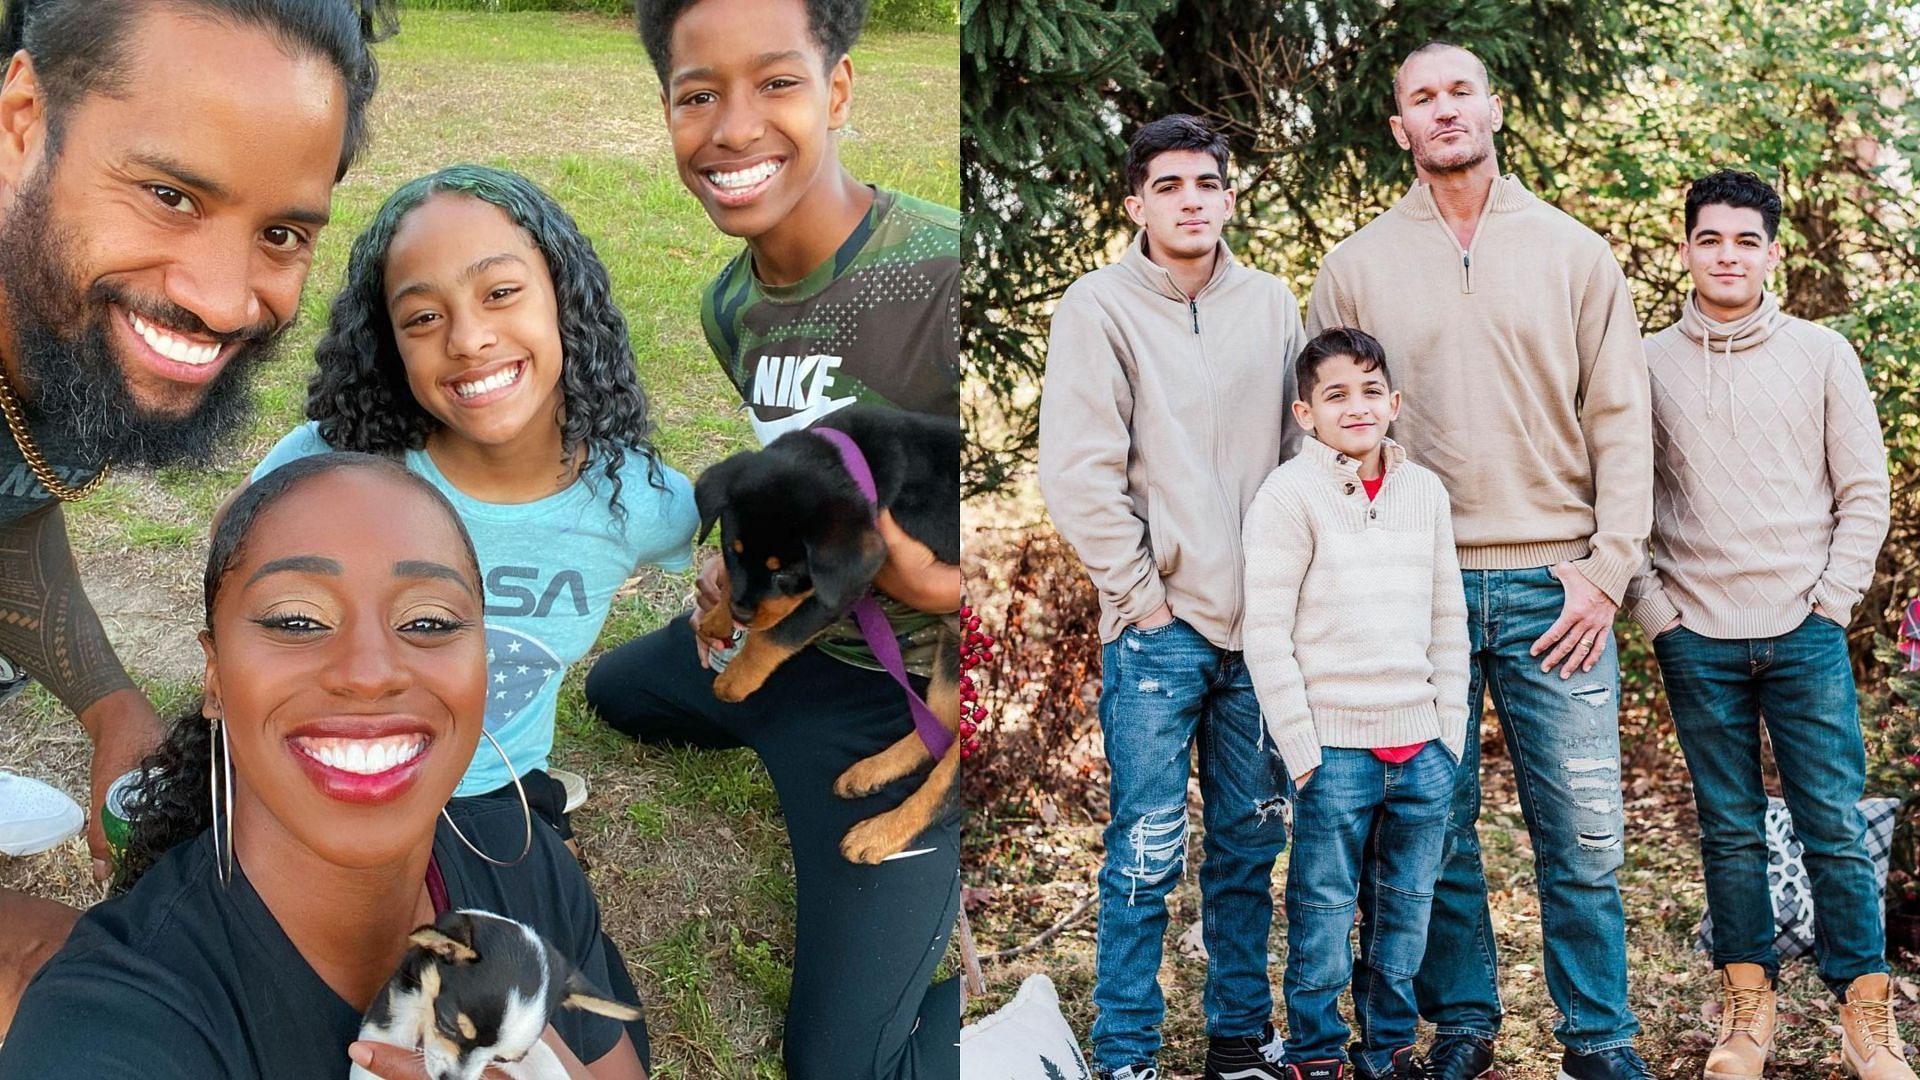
1027, 1039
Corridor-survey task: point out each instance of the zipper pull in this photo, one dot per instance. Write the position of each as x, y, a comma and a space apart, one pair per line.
1193, 306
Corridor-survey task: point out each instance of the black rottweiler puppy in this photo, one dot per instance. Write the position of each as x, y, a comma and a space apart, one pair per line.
801, 547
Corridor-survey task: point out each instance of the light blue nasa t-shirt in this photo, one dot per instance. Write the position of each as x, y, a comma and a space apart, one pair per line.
551, 569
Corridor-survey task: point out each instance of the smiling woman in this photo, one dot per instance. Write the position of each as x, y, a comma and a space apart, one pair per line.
345, 691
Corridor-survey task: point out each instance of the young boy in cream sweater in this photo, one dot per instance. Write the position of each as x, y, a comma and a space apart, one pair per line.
1356, 637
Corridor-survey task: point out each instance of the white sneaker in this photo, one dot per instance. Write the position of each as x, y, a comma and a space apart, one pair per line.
35, 816
576, 786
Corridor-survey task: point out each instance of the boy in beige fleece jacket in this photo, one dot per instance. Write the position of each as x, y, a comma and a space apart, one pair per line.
1164, 407
1770, 502
1357, 639
1527, 394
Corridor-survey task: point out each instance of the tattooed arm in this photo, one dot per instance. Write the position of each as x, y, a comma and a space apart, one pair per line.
50, 630
47, 627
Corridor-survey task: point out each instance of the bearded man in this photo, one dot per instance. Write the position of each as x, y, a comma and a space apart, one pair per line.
1516, 345
165, 167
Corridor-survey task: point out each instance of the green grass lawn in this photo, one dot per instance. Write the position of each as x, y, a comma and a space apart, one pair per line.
686, 849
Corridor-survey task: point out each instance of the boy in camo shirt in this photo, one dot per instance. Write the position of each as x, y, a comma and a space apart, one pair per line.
843, 293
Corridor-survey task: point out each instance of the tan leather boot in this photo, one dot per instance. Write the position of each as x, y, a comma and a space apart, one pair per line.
1746, 1025
1870, 1047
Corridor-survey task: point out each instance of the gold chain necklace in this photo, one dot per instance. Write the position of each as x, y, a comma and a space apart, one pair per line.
43, 472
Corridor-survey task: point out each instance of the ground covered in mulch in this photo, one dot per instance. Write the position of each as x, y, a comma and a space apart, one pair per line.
1033, 850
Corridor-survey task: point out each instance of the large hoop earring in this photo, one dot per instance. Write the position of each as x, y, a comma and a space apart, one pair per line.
526, 810
219, 776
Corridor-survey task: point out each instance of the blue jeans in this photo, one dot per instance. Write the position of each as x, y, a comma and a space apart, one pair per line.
1161, 688
1563, 736
1365, 833
1801, 685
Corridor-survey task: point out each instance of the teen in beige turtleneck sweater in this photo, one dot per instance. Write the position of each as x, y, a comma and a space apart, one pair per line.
1770, 503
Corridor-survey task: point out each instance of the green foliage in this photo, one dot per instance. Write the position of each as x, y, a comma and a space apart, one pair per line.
1891, 722
1037, 138
1611, 109
603, 7
1053, 90
762, 967
912, 15
882, 15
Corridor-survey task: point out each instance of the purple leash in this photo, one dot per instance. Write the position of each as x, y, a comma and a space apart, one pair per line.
871, 620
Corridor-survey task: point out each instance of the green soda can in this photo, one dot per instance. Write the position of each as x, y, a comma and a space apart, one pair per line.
113, 815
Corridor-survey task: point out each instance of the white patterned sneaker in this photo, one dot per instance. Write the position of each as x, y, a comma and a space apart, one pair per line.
35, 816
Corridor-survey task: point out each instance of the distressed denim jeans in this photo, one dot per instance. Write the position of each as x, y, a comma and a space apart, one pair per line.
1161, 691
1563, 737
1800, 685
1367, 836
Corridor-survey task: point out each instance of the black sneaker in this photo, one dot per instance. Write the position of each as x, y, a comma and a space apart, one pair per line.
1324, 1069
1245, 1057
1404, 1066
1457, 1057
1619, 1063
1142, 1070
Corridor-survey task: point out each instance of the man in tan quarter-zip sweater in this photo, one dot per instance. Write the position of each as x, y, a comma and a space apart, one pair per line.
1518, 350
1165, 405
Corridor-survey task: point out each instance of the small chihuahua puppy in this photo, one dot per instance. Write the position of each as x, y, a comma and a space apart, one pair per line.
477, 989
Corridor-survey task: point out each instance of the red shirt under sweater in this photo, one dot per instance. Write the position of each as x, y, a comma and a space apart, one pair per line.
1393, 755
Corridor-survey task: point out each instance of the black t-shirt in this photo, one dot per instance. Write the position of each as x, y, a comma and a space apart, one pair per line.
20, 491
181, 979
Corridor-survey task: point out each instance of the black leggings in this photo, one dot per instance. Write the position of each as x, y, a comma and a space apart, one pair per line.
868, 938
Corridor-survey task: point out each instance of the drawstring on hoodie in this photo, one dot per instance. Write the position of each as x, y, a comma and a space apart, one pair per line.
1744, 333
1706, 367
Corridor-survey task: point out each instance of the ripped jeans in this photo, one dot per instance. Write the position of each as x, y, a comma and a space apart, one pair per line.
1161, 689
1563, 738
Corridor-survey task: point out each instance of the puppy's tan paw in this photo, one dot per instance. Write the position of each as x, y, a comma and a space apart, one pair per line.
718, 623
874, 839
730, 687
863, 778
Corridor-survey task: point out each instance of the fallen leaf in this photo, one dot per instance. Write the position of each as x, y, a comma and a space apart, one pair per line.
1192, 943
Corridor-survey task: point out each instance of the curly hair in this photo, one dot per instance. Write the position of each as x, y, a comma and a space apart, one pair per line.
359, 393
834, 24
1739, 189
167, 803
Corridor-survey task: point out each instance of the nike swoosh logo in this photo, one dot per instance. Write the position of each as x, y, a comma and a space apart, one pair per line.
909, 854
768, 430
